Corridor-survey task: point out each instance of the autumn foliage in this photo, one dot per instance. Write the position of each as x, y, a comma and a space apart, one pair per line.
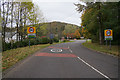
77, 34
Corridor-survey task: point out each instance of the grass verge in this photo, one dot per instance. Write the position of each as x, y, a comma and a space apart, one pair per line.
102, 48
66, 41
11, 57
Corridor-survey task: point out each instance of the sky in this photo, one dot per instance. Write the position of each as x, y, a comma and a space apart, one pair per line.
59, 10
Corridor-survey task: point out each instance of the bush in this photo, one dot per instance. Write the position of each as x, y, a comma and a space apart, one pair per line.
65, 40
26, 43
55, 39
7, 46
44, 41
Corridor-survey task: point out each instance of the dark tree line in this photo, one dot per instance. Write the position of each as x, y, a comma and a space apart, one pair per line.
98, 16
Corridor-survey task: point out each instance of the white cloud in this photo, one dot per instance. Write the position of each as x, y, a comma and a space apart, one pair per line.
62, 10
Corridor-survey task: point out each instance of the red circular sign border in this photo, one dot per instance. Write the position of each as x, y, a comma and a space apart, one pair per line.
30, 28
110, 32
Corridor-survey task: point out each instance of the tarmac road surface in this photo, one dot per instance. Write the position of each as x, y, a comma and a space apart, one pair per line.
67, 60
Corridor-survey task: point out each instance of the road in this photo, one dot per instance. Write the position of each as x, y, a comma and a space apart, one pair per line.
66, 60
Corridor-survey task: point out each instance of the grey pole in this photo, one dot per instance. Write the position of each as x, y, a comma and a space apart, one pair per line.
110, 44
29, 43
106, 42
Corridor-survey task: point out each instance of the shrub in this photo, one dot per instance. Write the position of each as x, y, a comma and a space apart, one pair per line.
55, 39
65, 40
25, 43
7, 46
44, 40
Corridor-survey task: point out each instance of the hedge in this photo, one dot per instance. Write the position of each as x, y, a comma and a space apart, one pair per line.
25, 43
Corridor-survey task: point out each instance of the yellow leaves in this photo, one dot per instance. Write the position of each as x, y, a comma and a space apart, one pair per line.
77, 34
90, 10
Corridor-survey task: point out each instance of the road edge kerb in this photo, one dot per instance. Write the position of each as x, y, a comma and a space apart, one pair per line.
101, 52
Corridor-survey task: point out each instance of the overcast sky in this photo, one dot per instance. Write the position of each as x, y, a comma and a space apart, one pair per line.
59, 10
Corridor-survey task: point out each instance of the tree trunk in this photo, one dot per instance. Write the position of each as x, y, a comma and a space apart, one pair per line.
24, 22
17, 23
21, 24
11, 22
100, 27
3, 27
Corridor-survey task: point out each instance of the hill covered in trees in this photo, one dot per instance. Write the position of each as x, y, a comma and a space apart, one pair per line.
59, 29
43, 32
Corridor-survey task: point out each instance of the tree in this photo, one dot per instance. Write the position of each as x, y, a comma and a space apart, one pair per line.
18, 15
99, 16
77, 34
69, 29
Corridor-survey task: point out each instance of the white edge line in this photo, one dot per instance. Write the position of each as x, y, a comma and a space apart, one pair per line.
94, 68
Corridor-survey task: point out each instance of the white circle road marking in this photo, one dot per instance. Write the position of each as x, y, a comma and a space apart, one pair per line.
56, 50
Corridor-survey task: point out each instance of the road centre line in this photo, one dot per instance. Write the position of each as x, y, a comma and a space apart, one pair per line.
70, 49
94, 68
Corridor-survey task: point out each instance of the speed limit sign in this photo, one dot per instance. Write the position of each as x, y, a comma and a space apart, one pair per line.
31, 30
108, 34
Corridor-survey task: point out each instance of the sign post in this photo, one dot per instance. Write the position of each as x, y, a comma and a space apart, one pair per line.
31, 33
51, 38
108, 36
29, 43
106, 42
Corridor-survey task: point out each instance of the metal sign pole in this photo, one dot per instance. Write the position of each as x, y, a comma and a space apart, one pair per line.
29, 43
110, 44
106, 42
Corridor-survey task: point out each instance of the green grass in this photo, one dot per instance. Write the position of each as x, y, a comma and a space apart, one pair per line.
102, 48
66, 41
11, 57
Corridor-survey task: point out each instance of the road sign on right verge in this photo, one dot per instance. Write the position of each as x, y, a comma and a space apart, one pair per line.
108, 34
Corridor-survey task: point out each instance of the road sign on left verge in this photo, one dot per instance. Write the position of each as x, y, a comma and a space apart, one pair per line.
51, 36
31, 35
31, 30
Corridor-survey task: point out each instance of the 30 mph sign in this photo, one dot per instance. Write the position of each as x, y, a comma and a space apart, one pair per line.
108, 34
31, 30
